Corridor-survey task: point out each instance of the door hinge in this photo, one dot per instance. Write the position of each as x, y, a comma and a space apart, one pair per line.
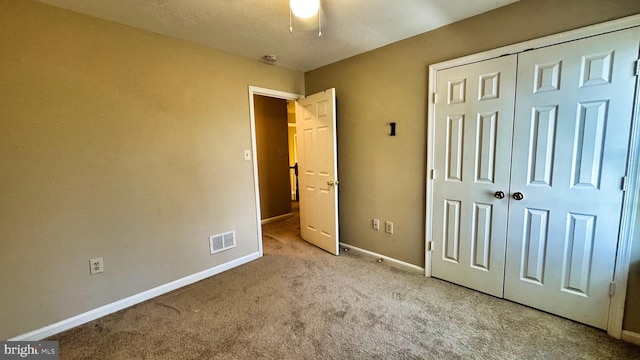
435, 98
637, 71
433, 174
623, 184
612, 289
430, 246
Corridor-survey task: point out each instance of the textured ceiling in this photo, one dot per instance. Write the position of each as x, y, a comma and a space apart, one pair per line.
253, 28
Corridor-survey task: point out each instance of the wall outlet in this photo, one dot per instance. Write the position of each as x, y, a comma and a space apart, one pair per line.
96, 266
388, 227
375, 224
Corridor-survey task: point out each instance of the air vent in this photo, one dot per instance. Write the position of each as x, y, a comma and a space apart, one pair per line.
222, 242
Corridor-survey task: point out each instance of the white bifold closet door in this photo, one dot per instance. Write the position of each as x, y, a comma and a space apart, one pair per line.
474, 123
563, 191
574, 105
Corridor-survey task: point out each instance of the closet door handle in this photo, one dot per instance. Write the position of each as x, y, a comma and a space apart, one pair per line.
499, 194
518, 196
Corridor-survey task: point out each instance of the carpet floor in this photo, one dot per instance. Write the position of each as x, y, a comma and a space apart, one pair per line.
298, 302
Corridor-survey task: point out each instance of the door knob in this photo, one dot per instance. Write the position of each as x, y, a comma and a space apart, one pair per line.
499, 195
330, 183
518, 196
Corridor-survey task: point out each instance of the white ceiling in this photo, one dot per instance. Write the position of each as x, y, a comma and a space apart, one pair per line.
253, 28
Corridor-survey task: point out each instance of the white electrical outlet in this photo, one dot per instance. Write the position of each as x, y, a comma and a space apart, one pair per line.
375, 224
388, 227
96, 266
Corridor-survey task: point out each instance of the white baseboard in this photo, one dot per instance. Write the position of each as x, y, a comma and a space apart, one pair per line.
631, 337
91, 315
402, 264
276, 218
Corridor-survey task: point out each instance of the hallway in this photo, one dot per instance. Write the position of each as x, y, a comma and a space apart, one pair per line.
285, 233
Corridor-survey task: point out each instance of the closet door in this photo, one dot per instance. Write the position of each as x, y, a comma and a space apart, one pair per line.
571, 136
473, 129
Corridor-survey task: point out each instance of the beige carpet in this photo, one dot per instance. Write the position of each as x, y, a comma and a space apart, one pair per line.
298, 302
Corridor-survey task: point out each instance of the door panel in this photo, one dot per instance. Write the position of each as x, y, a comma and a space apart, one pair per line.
317, 152
534, 237
571, 132
474, 123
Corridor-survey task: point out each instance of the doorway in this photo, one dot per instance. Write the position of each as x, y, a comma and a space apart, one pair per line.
279, 152
275, 156
318, 173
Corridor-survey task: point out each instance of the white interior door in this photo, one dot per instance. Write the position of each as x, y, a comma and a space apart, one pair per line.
318, 172
573, 113
473, 127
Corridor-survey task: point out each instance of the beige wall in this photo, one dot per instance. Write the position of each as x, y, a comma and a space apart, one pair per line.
384, 177
118, 143
273, 156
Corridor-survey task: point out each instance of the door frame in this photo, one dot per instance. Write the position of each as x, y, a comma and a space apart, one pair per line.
254, 90
631, 196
